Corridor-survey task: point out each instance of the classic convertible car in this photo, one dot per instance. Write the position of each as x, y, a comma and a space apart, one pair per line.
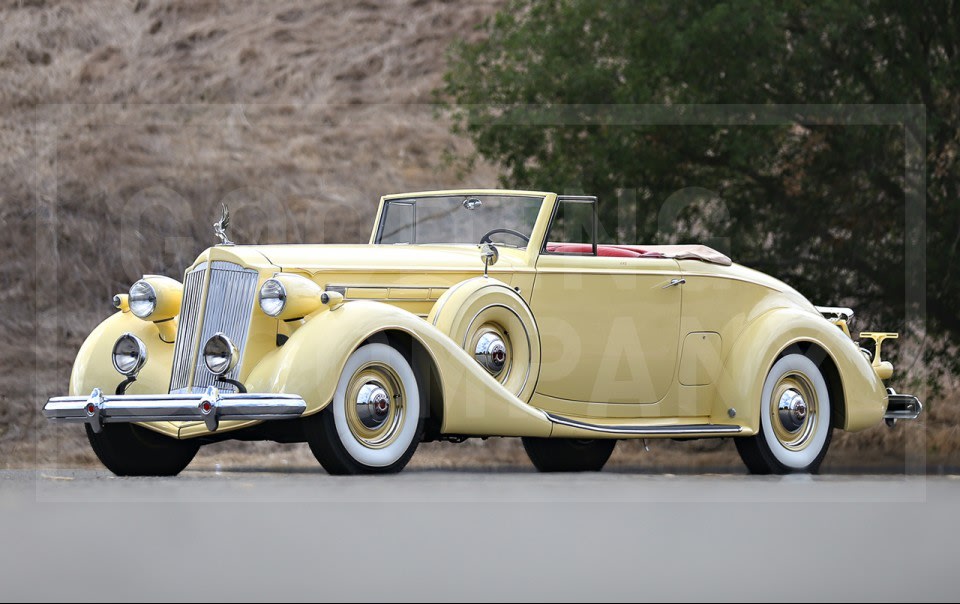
472, 314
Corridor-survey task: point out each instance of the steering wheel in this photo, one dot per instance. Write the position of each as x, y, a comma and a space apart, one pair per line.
486, 236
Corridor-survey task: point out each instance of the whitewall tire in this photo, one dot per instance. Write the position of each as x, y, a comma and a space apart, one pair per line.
795, 420
374, 423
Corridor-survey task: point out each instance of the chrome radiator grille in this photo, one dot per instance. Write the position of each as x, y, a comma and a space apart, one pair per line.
227, 308
187, 329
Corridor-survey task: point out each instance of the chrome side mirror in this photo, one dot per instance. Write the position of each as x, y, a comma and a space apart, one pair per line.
489, 255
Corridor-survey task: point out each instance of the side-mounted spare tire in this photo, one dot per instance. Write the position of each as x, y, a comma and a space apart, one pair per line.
490, 321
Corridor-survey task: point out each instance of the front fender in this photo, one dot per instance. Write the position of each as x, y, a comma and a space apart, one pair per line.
762, 341
93, 367
310, 362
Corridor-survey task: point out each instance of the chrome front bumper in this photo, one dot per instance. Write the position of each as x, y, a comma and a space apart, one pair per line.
210, 407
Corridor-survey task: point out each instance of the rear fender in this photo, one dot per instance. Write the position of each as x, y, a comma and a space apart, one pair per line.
765, 339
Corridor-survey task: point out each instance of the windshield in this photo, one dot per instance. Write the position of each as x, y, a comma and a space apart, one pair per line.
460, 219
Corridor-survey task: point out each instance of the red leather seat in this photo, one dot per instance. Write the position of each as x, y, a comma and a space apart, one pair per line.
680, 252
641, 250
618, 251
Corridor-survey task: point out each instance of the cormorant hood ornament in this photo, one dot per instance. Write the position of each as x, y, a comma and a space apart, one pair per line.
220, 226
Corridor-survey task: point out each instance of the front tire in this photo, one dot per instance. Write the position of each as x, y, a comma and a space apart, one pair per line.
374, 424
795, 420
130, 450
568, 454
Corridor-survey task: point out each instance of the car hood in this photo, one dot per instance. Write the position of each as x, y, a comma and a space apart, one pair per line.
313, 258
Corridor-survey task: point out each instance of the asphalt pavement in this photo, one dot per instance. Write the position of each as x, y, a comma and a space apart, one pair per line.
463, 535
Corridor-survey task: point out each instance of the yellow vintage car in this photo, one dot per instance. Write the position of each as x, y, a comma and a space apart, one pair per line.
472, 314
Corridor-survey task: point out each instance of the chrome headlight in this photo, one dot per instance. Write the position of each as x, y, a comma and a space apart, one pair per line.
220, 354
142, 299
129, 355
155, 298
273, 297
289, 297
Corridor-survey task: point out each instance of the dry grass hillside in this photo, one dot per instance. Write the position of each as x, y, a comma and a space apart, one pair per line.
124, 124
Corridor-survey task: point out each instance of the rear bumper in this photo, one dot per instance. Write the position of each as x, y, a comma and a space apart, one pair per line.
902, 406
210, 407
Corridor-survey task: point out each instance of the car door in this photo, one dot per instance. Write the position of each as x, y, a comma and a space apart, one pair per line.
609, 319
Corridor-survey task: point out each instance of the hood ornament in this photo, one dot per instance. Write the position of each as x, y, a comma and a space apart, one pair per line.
220, 226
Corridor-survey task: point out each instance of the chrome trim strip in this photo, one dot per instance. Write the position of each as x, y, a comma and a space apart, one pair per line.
315, 270
340, 286
98, 409
391, 300
344, 288
646, 430
611, 270
687, 273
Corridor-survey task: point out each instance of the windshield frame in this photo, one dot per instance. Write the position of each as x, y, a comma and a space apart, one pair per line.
379, 225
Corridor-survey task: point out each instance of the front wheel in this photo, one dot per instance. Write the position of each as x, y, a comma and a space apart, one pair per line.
795, 420
373, 425
568, 454
129, 450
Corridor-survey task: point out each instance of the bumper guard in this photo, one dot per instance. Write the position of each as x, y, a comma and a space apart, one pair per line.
901, 406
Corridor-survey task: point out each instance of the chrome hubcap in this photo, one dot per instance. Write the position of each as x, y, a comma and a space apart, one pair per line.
491, 352
792, 410
373, 405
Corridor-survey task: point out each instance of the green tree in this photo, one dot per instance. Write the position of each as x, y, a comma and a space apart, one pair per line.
820, 205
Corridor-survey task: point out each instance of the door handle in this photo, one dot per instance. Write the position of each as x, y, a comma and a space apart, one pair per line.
674, 282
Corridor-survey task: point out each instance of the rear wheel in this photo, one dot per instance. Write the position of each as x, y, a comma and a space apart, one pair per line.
795, 420
568, 454
373, 425
129, 450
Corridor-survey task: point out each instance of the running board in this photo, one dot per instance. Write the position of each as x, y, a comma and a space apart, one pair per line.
675, 430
